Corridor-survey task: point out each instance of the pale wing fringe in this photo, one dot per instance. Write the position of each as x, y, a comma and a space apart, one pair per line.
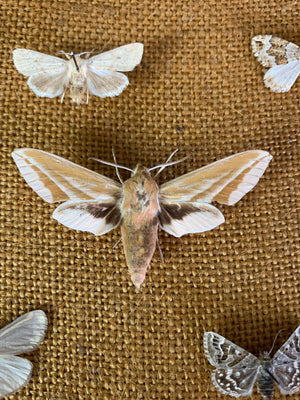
249, 375
260, 45
15, 373
24, 334
281, 78
123, 58
106, 83
57, 179
225, 181
48, 85
30, 62
75, 215
206, 218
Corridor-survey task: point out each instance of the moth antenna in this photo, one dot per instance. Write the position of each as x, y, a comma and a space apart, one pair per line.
74, 59
115, 160
117, 242
86, 52
111, 164
163, 166
276, 337
175, 151
68, 55
160, 252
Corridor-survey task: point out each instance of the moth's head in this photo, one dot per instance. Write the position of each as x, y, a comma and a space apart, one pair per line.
264, 356
141, 171
67, 55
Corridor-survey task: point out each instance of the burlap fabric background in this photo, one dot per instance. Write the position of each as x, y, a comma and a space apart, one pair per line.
198, 89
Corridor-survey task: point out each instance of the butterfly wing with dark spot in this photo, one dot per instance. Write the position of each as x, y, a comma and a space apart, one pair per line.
286, 365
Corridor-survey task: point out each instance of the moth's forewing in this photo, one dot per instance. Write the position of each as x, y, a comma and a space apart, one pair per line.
24, 334
139, 222
271, 50
225, 181
56, 179
124, 58
236, 369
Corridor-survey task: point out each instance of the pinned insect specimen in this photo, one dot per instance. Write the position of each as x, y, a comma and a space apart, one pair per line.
237, 369
51, 76
283, 59
97, 204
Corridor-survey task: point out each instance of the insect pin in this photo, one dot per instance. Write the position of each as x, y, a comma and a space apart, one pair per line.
97, 204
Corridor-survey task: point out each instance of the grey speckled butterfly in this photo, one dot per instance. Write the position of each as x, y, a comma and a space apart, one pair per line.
237, 369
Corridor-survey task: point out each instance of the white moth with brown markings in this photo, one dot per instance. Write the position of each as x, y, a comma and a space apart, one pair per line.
283, 59
50, 76
97, 204
21, 336
237, 369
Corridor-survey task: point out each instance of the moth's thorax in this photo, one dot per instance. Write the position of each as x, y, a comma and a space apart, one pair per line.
140, 195
265, 382
77, 80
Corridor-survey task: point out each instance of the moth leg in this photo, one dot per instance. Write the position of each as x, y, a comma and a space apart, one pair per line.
117, 242
62, 96
160, 252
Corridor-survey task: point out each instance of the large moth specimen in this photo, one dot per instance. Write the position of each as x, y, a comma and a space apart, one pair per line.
97, 204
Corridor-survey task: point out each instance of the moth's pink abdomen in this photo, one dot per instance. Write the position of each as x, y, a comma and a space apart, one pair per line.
139, 223
139, 246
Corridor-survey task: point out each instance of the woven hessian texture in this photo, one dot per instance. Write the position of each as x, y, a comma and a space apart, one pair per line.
199, 89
